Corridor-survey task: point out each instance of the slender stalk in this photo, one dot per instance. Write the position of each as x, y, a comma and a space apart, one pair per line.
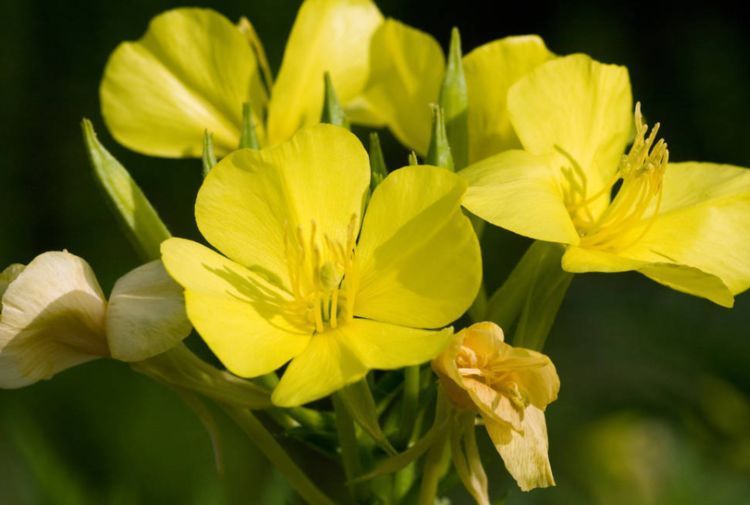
434, 468
410, 403
276, 454
348, 443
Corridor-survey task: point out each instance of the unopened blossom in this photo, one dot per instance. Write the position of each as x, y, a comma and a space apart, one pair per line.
55, 316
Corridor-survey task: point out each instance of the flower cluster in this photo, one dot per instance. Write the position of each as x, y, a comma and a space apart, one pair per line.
327, 269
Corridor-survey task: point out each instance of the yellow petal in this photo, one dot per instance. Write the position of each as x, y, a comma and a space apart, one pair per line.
579, 106
418, 258
579, 260
385, 346
407, 67
243, 319
534, 373
52, 319
146, 314
328, 35
326, 365
691, 281
191, 71
678, 277
522, 193
490, 71
251, 200
704, 223
493, 404
524, 452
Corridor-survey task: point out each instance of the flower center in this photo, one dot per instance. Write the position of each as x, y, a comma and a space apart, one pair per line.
493, 372
320, 275
637, 188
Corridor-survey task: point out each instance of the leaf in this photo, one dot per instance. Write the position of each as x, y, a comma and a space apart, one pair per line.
360, 404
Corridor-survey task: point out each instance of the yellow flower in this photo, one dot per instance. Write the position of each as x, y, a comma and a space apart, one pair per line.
54, 316
684, 225
193, 70
407, 67
511, 388
302, 282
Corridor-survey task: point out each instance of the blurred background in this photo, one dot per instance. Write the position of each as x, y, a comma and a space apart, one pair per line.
655, 399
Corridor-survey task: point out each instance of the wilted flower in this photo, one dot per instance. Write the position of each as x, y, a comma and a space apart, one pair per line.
55, 316
301, 282
510, 388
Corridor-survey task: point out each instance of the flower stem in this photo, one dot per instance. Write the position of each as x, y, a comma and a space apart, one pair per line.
348, 443
531, 295
276, 454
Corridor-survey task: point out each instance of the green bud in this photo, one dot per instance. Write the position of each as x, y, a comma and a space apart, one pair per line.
138, 217
377, 162
333, 113
209, 157
454, 99
249, 137
439, 152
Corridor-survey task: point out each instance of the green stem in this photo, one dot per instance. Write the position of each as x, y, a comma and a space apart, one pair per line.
531, 295
433, 471
348, 443
276, 454
410, 403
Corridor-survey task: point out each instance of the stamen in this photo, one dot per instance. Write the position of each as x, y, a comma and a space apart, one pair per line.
320, 274
641, 172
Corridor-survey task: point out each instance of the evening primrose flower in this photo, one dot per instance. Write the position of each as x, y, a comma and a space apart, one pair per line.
407, 67
510, 388
193, 70
302, 282
55, 316
685, 225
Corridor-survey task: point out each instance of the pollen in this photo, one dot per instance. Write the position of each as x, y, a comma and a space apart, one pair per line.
320, 273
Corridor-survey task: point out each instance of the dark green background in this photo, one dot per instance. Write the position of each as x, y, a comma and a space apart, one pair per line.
655, 399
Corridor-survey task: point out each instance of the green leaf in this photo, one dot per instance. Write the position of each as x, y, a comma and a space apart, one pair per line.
439, 152
435, 435
182, 369
276, 454
358, 400
141, 222
454, 99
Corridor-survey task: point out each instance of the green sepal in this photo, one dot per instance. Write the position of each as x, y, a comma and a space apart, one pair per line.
208, 157
531, 295
248, 137
141, 222
333, 113
454, 99
378, 169
439, 153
